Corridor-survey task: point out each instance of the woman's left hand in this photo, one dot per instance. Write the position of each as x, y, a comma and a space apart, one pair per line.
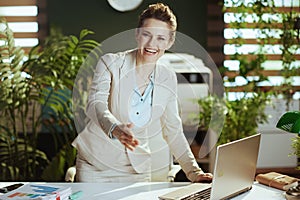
204, 178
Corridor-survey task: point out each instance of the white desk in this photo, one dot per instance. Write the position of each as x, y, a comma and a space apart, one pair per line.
150, 191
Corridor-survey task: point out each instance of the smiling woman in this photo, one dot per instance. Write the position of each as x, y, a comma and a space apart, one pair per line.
132, 99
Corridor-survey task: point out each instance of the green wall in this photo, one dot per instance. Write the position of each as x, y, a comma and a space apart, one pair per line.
97, 15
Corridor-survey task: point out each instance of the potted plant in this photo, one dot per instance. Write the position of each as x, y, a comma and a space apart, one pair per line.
37, 92
241, 116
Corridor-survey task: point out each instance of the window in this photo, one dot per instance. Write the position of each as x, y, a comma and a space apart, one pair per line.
258, 30
27, 20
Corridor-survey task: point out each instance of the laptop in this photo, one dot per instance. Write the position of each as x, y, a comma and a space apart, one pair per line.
234, 172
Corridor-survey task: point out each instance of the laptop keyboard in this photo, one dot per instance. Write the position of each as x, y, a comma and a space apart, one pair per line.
201, 195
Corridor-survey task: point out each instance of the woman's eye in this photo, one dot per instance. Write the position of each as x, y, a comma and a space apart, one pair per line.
145, 34
161, 38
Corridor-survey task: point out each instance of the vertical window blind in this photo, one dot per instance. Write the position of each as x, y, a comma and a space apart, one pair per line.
252, 31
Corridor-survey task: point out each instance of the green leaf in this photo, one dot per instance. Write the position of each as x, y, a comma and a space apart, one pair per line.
84, 33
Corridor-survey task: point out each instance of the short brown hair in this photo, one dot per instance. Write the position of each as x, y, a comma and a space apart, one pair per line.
160, 12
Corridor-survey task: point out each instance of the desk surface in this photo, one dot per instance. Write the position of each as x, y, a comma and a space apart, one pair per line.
137, 191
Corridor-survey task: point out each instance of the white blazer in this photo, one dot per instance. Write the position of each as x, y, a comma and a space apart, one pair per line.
108, 103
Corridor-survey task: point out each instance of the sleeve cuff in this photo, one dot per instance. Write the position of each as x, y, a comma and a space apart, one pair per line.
110, 135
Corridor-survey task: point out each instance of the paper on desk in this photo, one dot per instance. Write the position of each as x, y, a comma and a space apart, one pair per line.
38, 192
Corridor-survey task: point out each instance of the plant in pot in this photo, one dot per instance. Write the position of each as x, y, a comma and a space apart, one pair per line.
209, 120
241, 116
37, 92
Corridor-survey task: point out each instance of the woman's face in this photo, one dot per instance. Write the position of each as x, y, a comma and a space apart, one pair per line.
153, 38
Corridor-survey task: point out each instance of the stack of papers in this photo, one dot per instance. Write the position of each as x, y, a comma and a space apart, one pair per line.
38, 192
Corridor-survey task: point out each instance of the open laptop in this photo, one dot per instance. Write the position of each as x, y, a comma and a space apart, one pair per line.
234, 172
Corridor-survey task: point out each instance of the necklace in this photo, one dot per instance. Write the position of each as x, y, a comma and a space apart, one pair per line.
142, 80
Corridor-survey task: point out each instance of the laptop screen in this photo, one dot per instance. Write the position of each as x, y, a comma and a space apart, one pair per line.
235, 167
234, 172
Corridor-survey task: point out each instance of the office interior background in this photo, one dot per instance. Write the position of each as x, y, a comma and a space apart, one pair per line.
259, 84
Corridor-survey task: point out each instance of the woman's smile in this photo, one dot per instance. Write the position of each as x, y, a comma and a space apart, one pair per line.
151, 51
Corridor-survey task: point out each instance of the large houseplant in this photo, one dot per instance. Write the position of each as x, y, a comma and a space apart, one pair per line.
20, 159
37, 92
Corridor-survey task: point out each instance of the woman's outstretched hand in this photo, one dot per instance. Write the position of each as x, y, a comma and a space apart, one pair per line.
125, 135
